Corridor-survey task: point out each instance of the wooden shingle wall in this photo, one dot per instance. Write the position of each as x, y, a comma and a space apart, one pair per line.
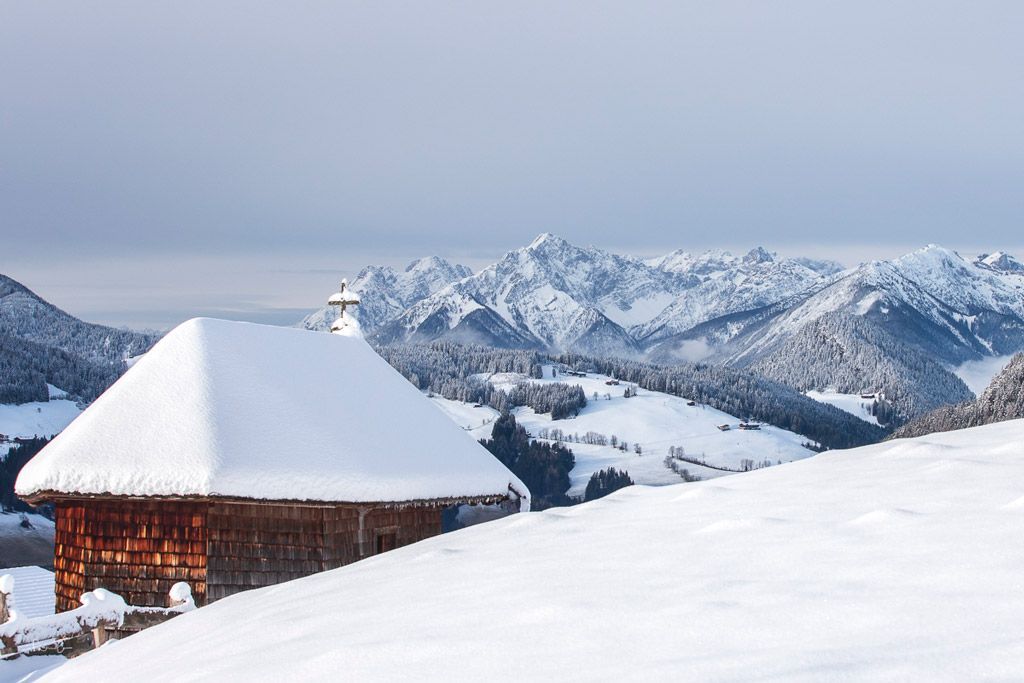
137, 549
256, 545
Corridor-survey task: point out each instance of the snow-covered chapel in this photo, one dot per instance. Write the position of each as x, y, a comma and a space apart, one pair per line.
234, 455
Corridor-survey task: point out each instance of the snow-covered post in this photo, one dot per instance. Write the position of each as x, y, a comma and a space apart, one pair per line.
181, 597
7, 644
6, 590
344, 298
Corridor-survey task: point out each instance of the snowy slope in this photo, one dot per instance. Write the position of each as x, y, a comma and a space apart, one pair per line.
38, 418
898, 561
25, 545
851, 403
652, 419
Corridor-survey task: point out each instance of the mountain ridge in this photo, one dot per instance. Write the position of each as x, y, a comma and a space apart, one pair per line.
42, 344
740, 311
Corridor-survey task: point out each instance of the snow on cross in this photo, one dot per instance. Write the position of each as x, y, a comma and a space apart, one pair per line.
342, 299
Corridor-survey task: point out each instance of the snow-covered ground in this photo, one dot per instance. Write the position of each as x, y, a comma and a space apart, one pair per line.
897, 561
25, 545
655, 420
33, 590
851, 403
28, 669
978, 374
39, 418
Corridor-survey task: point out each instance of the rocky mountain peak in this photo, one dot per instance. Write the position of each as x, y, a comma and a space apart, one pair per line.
758, 255
1000, 261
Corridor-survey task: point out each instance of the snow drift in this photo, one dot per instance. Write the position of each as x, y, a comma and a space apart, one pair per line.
898, 561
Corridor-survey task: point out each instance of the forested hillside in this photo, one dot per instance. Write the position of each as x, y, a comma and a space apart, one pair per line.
452, 370
1003, 400
459, 373
850, 354
40, 344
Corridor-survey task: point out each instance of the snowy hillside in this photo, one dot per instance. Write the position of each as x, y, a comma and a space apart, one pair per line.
25, 539
899, 561
38, 418
653, 420
1002, 400
40, 344
854, 404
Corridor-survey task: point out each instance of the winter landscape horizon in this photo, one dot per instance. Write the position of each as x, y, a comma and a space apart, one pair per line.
279, 289
550, 341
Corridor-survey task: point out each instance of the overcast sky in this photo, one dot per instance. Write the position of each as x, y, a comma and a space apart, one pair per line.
161, 160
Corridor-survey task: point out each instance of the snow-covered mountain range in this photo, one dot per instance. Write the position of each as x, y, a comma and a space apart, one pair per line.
41, 344
554, 295
895, 326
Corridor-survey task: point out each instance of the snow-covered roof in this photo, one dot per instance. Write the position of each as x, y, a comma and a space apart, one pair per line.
33, 590
898, 561
232, 409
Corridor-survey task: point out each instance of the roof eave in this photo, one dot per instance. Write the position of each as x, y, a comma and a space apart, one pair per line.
41, 497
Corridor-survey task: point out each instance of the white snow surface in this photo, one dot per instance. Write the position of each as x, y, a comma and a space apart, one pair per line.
893, 562
28, 669
33, 590
12, 534
38, 418
850, 403
220, 408
655, 420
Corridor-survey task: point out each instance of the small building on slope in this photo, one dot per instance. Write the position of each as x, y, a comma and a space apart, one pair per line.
234, 456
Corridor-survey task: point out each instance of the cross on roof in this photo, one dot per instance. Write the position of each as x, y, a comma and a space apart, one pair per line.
342, 298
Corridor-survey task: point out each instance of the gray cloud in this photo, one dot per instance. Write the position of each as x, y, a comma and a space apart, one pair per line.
383, 130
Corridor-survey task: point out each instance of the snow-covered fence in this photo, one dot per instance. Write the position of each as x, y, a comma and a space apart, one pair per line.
102, 616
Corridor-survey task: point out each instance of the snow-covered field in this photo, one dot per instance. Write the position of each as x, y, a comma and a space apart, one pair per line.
977, 374
21, 545
39, 418
850, 403
28, 669
897, 561
654, 420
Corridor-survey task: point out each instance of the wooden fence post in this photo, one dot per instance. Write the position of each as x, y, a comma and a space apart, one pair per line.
8, 646
5, 612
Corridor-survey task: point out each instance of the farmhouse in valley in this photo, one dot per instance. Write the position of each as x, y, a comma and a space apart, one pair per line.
235, 455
